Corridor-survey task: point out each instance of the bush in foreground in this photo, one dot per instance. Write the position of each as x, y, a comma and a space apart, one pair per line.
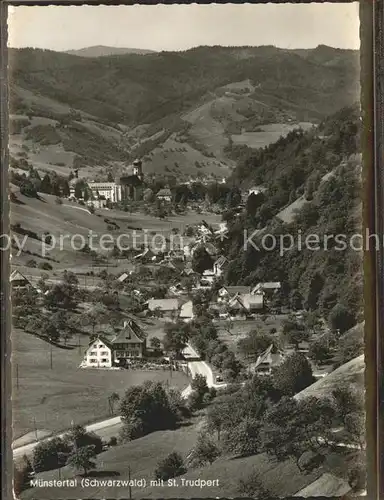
252, 487
170, 466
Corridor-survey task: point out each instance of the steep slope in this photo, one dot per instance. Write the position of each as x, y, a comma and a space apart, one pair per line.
349, 373
321, 178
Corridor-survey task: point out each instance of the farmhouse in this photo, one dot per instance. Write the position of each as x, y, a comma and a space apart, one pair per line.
122, 277
252, 302
164, 195
227, 292
268, 360
99, 354
256, 190
129, 343
18, 280
146, 256
217, 271
186, 312
176, 289
269, 288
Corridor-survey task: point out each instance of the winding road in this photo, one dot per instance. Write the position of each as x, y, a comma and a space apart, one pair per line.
109, 427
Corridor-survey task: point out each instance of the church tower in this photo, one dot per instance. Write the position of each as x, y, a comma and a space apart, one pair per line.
138, 169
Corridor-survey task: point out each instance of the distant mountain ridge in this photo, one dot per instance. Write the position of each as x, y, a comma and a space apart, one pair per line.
104, 51
184, 113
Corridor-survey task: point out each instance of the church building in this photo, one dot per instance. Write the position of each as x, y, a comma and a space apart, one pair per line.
129, 186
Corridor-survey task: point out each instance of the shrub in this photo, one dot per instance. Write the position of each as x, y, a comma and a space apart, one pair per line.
31, 263
45, 265
252, 487
112, 441
204, 452
171, 466
46, 455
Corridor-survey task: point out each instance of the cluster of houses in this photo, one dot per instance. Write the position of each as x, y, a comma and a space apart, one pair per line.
229, 302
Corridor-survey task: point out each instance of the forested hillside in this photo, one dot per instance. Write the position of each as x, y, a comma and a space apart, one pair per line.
322, 176
185, 113
132, 89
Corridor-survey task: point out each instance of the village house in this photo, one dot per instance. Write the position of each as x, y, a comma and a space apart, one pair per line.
268, 360
186, 312
227, 292
18, 280
146, 256
128, 343
176, 289
164, 195
99, 354
244, 304
269, 288
188, 271
165, 308
256, 190
123, 277
218, 268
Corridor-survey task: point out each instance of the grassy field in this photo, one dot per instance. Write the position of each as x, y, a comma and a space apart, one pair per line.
269, 134
349, 373
69, 220
142, 456
55, 397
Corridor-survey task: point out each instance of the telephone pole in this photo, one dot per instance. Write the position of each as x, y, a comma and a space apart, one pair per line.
129, 482
51, 358
34, 426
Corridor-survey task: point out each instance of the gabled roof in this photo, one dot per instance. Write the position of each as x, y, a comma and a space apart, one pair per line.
123, 277
102, 339
17, 276
236, 302
269, 285
163, 304
221, 261
187, 310
233, 290
188, 271
252, 301
130, 333
146, 253
269, 357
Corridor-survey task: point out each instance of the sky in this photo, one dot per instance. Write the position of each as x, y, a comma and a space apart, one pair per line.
180, 27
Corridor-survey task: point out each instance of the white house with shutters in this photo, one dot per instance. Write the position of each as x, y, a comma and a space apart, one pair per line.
99, 354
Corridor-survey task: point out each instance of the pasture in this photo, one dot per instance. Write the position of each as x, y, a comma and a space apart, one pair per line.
50, 399
269, 134
71, 224
142, 456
